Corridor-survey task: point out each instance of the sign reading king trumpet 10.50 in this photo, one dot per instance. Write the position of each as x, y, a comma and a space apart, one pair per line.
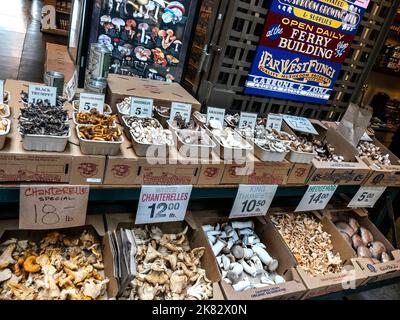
302, 48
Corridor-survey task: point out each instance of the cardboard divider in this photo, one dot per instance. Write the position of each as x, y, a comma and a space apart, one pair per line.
351, 276
293, 288
378, 271
195, 236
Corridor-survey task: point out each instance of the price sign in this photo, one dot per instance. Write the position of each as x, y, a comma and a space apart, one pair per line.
216, 114
248, 120
366, 137
163, 204
316, 198
253, 201
300, 124
42, 93
141, 107
274, 121
182, 109
1, 91
72, 85
90, 101
366, 197
52, 207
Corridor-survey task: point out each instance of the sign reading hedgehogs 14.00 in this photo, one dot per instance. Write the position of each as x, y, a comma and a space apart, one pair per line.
302, 48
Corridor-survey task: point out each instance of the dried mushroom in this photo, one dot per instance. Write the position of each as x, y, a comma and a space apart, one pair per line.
167, 268
4, 123
241, 256
95, 118
100, 133
149, 131
373, 152
43, 119
311, 246
50, 269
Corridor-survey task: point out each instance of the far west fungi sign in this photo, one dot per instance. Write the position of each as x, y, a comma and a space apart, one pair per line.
302, 48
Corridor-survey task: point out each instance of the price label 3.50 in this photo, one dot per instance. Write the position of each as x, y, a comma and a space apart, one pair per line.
163, 204
366, 197
316, 198
253, 200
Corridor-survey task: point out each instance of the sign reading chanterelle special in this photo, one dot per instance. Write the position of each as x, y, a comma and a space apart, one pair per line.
302, 48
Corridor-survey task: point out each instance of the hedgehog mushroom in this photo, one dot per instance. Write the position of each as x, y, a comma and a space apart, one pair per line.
6, 257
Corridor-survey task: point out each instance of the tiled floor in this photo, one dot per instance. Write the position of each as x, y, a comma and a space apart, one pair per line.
22, 45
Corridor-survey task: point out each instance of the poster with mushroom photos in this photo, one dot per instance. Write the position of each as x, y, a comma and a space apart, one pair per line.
148, 38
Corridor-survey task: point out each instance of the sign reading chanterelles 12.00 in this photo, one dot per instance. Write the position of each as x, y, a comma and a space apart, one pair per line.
302, 48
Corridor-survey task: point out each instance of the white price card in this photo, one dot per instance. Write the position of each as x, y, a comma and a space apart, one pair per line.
248, 120
44, 207
253, 200
316, 197
42, 93
274, 121
91, 101
71, 86
300, 124
1, 91
182, 109
141, 107
216, 114
163, 204
366, 197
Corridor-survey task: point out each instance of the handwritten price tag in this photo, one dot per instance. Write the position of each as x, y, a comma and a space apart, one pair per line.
90, 101
248, 120
163, 204
300, 124
72, 85
275, 121
1, 91
42, 93
183, 109
52, 207
216, 114
141, 107
316, 198
366, 197
253, 200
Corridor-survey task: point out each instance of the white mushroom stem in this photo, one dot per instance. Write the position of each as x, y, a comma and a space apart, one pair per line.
241, 285
250, 269
218, 246
141, 10
208, 227
143, 35
236, 268
248, 253
258, 264
263, 255
273, 265
242, 224
279, 280
231, 242
226, 263
157, 12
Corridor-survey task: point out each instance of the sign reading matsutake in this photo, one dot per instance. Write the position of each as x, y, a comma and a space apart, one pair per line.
302, 48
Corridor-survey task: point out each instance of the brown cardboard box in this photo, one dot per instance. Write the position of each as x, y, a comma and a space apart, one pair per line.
299, 174
163, 93
196, 238
374, 272
293, 288
19, 165
383, 175
256, 171
353, 171
352, 276
123, 168
176, 171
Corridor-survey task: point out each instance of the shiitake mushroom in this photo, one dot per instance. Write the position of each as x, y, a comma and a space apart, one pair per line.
345, 228
353, 223
357, 241
366, 236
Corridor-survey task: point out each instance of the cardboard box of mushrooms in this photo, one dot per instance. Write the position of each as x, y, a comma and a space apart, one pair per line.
251, 262
323, 258
375, 255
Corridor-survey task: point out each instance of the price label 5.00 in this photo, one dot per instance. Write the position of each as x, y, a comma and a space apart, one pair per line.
163, 204
366, 197
316, 198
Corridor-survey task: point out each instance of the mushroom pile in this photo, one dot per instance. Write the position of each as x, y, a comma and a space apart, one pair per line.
362, 241
310, 245
149, 131
242, 257
167, 268
373, 152
59, 267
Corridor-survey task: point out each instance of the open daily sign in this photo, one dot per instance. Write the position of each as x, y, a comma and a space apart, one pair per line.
163, 204
300, 124
44, 207
42, 93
